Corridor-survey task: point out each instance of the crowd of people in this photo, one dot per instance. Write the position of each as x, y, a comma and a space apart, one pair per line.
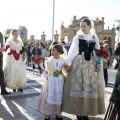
74, 83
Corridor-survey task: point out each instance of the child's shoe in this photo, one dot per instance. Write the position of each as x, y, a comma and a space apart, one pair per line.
59, 118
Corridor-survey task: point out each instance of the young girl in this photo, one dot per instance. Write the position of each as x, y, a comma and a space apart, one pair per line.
105, 64
51, 95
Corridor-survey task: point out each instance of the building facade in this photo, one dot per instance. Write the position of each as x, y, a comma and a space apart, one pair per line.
74, 26
23, 32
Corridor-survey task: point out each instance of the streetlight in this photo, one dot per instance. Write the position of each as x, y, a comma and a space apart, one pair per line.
53, 19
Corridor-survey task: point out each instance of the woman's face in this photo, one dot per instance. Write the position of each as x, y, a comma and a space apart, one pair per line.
85, 28
15, 35
37, 45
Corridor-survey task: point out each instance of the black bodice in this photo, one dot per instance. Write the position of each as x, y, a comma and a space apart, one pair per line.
87, 47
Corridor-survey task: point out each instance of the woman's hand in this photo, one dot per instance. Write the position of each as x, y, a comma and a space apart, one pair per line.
46, 72
98, 69
42, 70
66, 67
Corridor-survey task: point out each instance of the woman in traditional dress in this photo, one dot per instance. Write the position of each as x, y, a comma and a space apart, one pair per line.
15, 70
84, 85
51, 95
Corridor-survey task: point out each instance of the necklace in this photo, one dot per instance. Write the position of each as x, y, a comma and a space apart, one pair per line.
56, 72
56, 63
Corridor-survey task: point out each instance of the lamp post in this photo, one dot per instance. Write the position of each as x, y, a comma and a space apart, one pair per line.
53, 19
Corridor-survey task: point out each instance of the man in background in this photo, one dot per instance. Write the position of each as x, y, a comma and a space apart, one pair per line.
29, 53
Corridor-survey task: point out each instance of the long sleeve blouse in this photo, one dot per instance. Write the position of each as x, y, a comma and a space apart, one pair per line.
75, 46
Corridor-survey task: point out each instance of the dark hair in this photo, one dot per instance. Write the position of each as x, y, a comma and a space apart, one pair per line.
59, 48
54, 43
36, 43
6, 38
118, 44
14, 31
63, 42
42, 45
87, 21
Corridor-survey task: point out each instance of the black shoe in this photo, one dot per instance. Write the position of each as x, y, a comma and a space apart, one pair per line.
59, 118
47, 118
14, 90
85, 118
80, 118
21, 90
5, 93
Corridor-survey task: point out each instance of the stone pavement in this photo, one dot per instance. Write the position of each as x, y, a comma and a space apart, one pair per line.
22, 106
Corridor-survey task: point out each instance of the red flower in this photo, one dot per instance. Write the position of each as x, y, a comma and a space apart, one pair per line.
102, 53
38, 59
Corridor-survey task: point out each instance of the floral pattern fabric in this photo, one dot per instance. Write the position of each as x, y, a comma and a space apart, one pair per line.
44, 107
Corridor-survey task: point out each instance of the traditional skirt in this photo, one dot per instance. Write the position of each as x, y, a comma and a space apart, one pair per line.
15, 73
84, 88
44, 107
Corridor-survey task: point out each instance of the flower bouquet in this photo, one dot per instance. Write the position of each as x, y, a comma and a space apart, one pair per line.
101, 55
38, 59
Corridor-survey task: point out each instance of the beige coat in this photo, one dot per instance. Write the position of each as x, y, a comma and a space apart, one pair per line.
105, 64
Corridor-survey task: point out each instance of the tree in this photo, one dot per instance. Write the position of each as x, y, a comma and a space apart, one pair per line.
25, 41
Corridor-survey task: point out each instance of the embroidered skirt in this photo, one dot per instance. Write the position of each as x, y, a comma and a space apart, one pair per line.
15, 73
44, 107
84, 88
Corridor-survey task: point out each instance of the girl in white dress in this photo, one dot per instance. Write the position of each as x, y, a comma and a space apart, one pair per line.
15, 70
51, 95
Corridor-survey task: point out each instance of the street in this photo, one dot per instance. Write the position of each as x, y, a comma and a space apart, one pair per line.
22, 106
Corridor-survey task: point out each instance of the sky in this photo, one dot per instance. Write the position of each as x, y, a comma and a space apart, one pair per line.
36, 15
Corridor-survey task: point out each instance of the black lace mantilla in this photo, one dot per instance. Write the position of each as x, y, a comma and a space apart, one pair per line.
115, 97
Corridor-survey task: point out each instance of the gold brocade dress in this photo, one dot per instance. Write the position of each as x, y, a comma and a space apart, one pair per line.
83, 88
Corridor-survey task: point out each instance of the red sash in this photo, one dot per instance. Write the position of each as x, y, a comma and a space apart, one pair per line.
15, 54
